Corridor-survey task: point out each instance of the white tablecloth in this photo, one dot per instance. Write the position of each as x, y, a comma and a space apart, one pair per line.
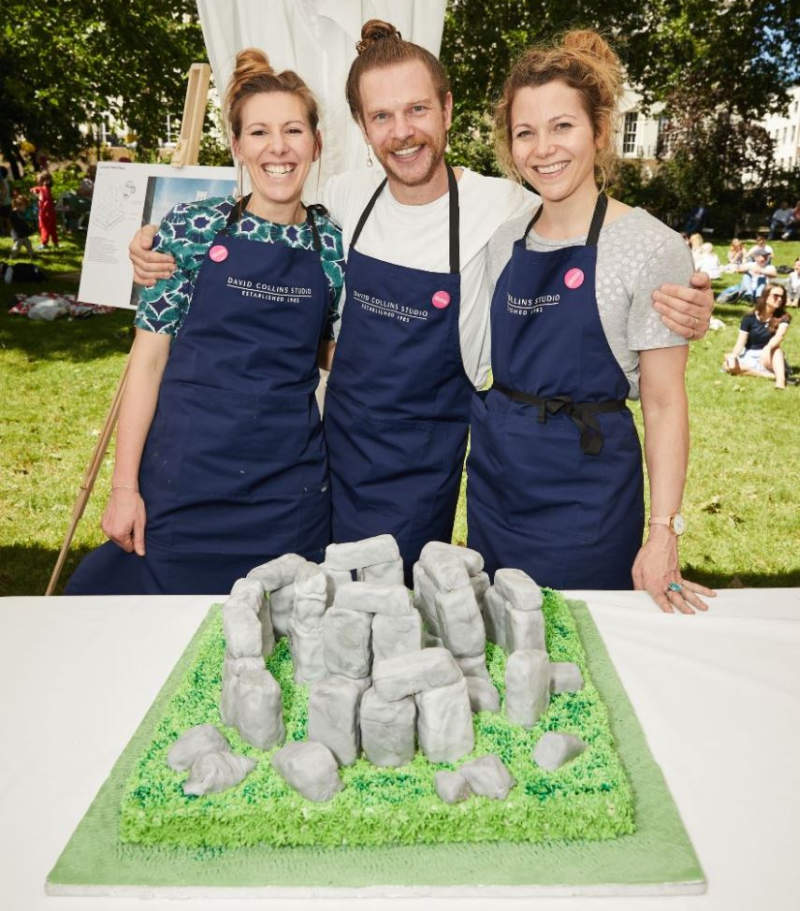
718, 697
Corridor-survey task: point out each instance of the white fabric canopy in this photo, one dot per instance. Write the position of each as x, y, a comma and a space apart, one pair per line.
316, 38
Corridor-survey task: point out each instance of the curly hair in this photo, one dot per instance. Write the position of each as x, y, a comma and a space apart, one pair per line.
586, 63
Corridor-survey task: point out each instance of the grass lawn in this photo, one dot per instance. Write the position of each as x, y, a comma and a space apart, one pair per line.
56, 382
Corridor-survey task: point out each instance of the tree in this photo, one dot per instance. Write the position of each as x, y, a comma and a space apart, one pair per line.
718, 66
78, 61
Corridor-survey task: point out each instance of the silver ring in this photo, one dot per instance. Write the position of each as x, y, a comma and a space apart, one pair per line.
674, 587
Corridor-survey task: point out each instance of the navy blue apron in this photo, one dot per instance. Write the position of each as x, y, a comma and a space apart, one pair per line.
397, 404
234, 471
555, 473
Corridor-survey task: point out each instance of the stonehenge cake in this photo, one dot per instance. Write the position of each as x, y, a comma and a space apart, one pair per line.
333, 667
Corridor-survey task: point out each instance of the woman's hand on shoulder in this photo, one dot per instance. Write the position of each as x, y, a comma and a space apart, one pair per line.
124, 520
148, 267
656, 567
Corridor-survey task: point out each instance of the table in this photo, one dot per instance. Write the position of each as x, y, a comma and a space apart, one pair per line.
718, 696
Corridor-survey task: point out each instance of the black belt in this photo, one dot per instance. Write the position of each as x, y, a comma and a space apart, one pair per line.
582, 414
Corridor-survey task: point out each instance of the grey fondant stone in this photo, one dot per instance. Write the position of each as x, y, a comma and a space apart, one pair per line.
524, 629
474, 666
388, 729
281, 606
277, 573
483, 695
495, 617
335, 578
488, 777
249, 590
366, 552
346, 642
396, 634
388, 573
445, 570
204, 738
452, 787
267, 630
373, 599
404, 675
333, 717
480, 585
242, 630
444, 722
362, 684
565, 677
259, 711
554, 749
231, 669
308, 650
527, 686
429, 640
425, 598
310, 594
310, 768
217, 771
460, 621
472, 560
518, 589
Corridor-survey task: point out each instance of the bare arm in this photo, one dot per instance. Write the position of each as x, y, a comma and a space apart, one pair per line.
741, 343
148, 267
124, 518
775, 341
325, 354
666, 446
686, 311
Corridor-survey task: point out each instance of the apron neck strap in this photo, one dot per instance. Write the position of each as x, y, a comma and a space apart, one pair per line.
452, 186
594, 228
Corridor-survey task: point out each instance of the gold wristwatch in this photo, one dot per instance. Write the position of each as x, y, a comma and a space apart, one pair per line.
676, 523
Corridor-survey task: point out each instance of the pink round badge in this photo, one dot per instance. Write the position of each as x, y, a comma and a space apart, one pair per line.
440, 300
218, 253
574, 278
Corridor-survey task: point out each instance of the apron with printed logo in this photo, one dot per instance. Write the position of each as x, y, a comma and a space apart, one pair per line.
397, 404
234, 471
554, 474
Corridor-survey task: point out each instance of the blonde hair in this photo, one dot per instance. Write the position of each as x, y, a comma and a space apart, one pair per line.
382, 45
585, 62
254, 74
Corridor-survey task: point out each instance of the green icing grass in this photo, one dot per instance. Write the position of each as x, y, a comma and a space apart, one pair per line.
588, 799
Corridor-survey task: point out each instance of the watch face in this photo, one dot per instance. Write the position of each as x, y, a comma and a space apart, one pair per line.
678, 524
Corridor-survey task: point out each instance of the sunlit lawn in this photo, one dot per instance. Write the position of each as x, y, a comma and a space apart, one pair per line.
57, 379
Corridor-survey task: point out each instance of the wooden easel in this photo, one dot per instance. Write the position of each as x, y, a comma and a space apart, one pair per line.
186, 153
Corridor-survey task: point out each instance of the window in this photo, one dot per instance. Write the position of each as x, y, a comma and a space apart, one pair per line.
629, 132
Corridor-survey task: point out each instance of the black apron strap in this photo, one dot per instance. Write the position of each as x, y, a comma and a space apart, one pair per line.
455, 238
365, 214
237, 211
311, 213
594, 228
582, 414
597, 220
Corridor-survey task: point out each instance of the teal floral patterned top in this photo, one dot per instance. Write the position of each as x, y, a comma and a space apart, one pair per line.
187, 232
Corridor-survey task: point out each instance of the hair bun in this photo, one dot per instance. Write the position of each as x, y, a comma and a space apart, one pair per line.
377, 30
251, 62
589, 42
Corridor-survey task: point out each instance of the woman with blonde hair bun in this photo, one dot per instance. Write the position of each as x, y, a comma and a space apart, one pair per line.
555, 474
221, 461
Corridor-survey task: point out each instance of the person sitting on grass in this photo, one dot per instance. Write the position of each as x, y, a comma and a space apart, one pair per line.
793, 285
760, 246
754, 280
780, 221
757, 351
735, 255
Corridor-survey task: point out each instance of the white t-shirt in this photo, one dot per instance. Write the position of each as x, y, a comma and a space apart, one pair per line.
417, 237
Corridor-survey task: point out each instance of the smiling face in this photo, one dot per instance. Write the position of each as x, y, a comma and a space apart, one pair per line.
774, 299
277, 146
405, 123
553, 145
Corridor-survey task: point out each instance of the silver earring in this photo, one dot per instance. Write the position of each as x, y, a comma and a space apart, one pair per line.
369, 156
